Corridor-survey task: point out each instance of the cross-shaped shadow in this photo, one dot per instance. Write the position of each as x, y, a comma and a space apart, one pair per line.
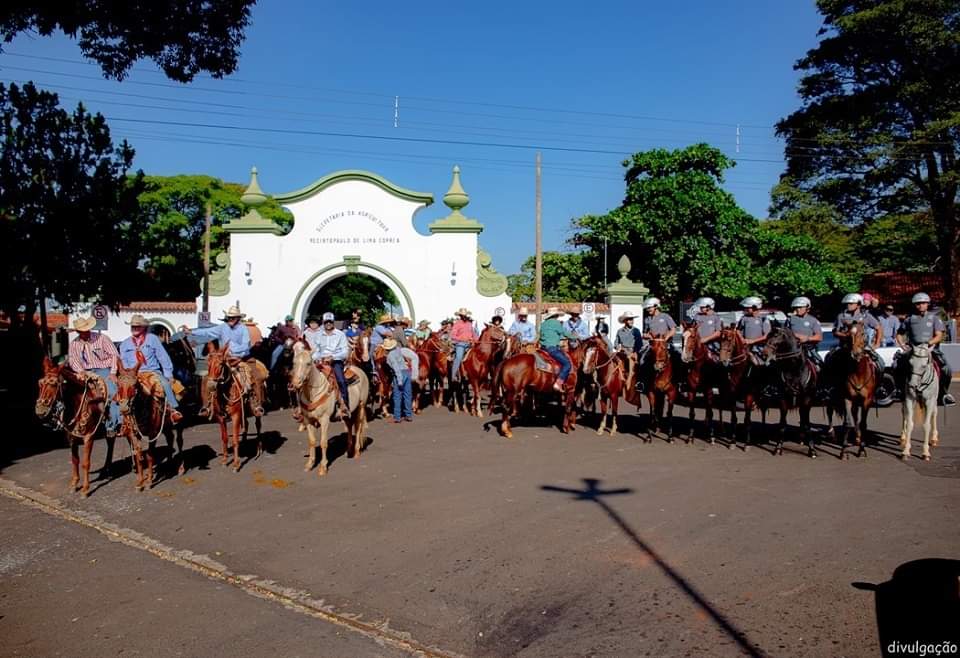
593, 493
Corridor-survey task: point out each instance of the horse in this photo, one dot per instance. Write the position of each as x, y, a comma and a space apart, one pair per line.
434, 358
227, 401
854, 377
480, 361
143, 409
278, 390
660, 387
796, 379
920, 389
519, 376
383, 389
317, 396
77, 404
611, 377
739, 383
700, 377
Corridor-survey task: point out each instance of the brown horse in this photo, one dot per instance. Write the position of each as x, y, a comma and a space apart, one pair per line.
480, 362
795, 377
739, 383
143, 408
519, 376
77, 404
611, 375
700, 376
383, 389
853, 376
434, 357
227, 401
659, 386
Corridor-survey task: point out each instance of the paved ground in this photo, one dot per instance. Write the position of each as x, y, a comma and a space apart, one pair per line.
448, 536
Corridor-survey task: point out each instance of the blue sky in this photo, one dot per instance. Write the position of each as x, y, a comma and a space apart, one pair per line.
617, 77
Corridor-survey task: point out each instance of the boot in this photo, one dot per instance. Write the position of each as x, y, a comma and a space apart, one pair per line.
558, 386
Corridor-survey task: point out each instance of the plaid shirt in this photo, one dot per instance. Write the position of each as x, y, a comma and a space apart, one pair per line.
98, 352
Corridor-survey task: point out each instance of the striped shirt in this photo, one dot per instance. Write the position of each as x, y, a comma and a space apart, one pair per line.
98, 352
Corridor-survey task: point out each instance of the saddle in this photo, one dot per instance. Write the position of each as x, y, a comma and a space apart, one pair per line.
150, 384
349, 373
545, 363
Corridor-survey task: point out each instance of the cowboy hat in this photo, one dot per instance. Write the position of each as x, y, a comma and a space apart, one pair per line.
423, 322
234, 312
386, 318
626, 315
389, 344
313, 318
405, 320
84, 324
138, 321
523, 310
553, 312
464, 312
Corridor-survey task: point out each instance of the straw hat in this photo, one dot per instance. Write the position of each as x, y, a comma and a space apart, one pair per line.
405, 320
389, 344
626, 315
386, 318
523, 310
84, 324
234, 312
464, 312
138, 321
423, 323
553, 312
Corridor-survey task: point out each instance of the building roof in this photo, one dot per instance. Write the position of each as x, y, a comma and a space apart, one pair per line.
159, 307
898, 287
566, 307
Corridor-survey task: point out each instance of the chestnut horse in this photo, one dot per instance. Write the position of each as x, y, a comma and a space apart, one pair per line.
480, 362
700, 376
143, 408
77, 404
227, 401
795, 377
739, 383
434, 363
660, 389
611, 375
519, 376
853, 376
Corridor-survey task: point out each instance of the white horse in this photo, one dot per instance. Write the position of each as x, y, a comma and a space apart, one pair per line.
317, 398
921, 388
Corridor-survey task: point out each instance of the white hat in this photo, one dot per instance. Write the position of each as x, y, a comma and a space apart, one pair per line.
751, 302
328, 317
234, 312
523, 310
138, 321
800, 301
553, 312
650, 302
626, 315
920, 297
853, 298
389, 344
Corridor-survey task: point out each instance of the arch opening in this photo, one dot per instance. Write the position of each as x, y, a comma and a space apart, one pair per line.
340, 288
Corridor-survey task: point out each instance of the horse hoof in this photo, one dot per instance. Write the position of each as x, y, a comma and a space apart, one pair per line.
904, 458
926, 458
600, 432
85, 493
321, 471
813, 455
181, 470
140, 486
308, 466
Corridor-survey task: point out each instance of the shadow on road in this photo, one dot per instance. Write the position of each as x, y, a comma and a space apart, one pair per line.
920, 603
593, 493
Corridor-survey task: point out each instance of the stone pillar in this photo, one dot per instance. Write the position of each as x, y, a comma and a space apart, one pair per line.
624, 295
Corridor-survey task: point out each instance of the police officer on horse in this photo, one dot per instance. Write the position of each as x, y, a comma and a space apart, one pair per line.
806, 328
925, 328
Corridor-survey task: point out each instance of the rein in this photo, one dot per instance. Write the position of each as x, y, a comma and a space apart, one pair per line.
131, 416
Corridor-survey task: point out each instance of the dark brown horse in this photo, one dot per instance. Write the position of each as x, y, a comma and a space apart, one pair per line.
795, 379
659, 386
518, 377
853, 377
699, 376
77, 404
434, 355
227, 402
480, 361
143, 408
740, 382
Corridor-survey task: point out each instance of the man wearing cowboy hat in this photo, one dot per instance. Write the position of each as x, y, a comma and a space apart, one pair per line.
576, 326
602, 329
523, 329
312, 331
145, 349
382, 331
463, 334
91, 352
402, 331
405, 365
286, 331
423, 330
551, 333
629, 339
235, 334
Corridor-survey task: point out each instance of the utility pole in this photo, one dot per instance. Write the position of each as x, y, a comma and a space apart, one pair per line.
539, 267
206, 258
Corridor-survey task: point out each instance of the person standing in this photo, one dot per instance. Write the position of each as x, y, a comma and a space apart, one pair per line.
144, 349
91, 352
890, 324
463, 334
551, 333
332, 350
405, 365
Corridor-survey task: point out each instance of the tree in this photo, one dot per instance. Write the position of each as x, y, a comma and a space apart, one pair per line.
899, 243
68, 222
183, 37
684, 233
567, 277
351, 291
173, 210
877, 132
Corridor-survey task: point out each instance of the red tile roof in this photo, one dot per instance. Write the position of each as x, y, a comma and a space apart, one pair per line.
898, 287
159, 307
566, 307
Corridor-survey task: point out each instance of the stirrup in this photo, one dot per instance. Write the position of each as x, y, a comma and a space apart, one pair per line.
948, 400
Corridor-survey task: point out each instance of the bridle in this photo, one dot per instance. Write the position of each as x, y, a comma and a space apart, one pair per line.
130, 414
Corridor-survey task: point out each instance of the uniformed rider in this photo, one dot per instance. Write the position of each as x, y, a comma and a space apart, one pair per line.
806, 328
752, 326
926, 328
855, 313
656, 325
708, 324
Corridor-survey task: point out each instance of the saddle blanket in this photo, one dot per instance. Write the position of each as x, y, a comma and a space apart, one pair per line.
545, 362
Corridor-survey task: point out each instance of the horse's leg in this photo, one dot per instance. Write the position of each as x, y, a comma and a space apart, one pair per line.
708, 415
87, 451
224, 439
906, 410
477, 408
509, 407
351, 438
670, 397
862, 429
149, 452
75, 463
733, 423
615, 405
781, 429
137, 459
360, 429
311, 447
108, 460
603, 413
652, 421
324, 438
747, 421
847, 414
929, 412
180, 456
258, 423
236, 421
805, 433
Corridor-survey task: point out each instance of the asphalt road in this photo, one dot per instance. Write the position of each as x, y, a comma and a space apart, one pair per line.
455, 540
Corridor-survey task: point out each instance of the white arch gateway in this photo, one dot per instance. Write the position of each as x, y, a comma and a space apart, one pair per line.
356, 222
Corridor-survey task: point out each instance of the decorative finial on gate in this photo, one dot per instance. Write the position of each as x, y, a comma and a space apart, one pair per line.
253, 196
456, 197
623, 266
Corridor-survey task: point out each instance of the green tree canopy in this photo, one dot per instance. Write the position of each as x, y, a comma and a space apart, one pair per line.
173, 209
354, 291
68, 222
567, 277
877, 133
183, 37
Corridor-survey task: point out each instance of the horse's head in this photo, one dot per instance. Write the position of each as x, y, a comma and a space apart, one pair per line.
302, 364
493, 333
218, 370
660, 352
731, 345
690, 341
856, 339
781, 344
49, 388
127, 384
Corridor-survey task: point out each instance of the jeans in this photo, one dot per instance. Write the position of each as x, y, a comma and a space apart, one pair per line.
460, 350
563, 360
275, 356
168, 391
112, 422
402, 395
341, 380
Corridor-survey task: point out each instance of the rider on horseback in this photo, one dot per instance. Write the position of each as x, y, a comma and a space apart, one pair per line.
94, 354
286, 331
752, 327
806, 328
629, 340
854, 313
551, 333
708, 324
332, 349
925, 328
463, 336
523, 330
576, 326
657, 325
145, 349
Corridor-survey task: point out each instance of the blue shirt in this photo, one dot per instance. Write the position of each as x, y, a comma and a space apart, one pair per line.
397, 359
350, 332
237, 337
525, 330
380, 332
891, 325
331, 346
578, 329
155, 355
